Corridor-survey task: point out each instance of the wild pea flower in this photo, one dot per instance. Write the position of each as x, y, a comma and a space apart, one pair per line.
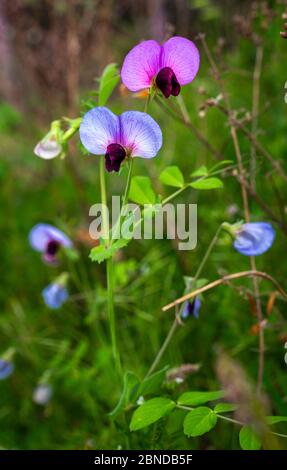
50, 146
191, 308
167, 67
132, 134
6, 369
253, 238
55, 294
48, 240
42, 394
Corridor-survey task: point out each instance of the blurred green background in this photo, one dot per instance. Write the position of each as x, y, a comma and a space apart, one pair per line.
50, 54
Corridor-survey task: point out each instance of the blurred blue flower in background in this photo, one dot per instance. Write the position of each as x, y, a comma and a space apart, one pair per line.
191, 308
42, 394
55, 294
48, 240
254, 238
6, 369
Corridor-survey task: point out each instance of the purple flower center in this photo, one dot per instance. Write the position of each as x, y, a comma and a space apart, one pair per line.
114, 156
167, 82
52, 247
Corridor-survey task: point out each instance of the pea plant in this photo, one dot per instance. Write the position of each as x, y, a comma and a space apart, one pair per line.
156, 74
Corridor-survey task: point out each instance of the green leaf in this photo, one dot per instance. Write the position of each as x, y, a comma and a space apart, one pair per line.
108, 82
150, 412
172, 176
220, 165
141, 190
207, 183
101, 253
225, 407
152, 383
199, 398
197, 284
130, 381
276, 419
199, 421
248, 440
201, 171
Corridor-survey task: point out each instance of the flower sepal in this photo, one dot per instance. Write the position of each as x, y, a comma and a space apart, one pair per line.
232, 229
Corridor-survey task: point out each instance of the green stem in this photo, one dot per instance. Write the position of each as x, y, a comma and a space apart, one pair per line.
128, 184
124, 200
176, 322
111, 313
163, 348
110, 278
105, 215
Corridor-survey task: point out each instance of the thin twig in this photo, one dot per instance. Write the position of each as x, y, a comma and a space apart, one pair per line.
223, 280
255, 110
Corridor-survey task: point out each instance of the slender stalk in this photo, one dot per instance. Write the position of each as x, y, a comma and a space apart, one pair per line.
163, 347
105, 217
128, 183
111, 313
125, 199
110, 281
176, 322
182, 117
255, 110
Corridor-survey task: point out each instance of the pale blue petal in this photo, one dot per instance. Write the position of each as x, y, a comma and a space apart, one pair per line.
42, 234
140, 134
6, 369
98, 129
254, 238
55, 295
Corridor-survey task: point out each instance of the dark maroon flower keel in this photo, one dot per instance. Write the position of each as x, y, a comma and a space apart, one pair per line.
167, 82
114, 157
52, 248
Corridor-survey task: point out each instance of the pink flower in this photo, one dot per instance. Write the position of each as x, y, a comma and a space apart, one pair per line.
166, 67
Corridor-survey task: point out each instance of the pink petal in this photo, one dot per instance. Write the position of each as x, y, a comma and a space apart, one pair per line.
99, 128
140, 134
182, 56
141, 65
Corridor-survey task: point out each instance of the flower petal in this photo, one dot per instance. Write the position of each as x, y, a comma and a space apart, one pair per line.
6, 369
48, 149
182, 56
98, 129
140, 134
141, 64
55, 295
42, 394
41, 234
254, 238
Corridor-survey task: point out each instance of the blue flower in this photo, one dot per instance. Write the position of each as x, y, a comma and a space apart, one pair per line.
191, 308
48, 240
55, 294
42, 394
132, 134
6, 369
254, 238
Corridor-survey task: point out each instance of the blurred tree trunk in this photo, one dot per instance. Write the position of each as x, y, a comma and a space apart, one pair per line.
8, 88
73, 62
156, 13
